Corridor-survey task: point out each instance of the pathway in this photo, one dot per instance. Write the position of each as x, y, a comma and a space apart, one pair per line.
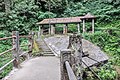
40, 68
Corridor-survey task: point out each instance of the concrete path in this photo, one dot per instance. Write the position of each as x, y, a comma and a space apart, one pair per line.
40, 68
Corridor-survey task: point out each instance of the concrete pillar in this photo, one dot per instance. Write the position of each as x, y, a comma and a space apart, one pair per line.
49, 29
93, 25
84, 26
41, 31
65, 29
52, 29
78, 27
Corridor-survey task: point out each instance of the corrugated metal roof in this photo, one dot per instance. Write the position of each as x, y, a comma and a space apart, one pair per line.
65, 20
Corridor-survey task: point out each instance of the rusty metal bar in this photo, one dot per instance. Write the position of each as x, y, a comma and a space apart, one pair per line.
7, 51
6, 65
70, 72
6, 38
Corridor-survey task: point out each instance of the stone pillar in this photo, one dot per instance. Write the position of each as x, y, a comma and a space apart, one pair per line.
52, 29
78, 26
65, 55
84, 26
65, 29
93, 26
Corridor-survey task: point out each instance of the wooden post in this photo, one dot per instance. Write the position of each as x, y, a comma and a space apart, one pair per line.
78, 26
64, 56
16, 49
93, 22
65, 29
7, 6
31, 43
39, 32
52, 29
84, 26
49, 29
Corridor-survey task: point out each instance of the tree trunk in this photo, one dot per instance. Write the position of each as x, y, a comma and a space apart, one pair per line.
7, 6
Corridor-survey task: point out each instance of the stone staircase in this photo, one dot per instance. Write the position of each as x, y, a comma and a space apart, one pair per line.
44, 49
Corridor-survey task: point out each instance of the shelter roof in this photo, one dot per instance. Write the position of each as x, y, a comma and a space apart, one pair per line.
60, 20
88, 16
66, 20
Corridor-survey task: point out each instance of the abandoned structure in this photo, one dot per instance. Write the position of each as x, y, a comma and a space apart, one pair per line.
70, 20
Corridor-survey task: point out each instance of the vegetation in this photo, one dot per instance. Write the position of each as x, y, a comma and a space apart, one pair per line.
22, 15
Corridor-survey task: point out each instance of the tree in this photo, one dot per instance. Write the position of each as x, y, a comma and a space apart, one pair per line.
7, 6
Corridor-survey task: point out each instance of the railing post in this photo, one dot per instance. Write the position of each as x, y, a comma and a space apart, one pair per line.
31, 43
15, 35
65, 56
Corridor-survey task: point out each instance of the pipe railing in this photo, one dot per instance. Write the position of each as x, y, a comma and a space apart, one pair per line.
16, 48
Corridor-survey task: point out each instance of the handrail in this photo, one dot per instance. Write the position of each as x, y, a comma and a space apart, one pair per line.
6, 38
16, 48
24, 45
70, 72
23, 53
6, 64
7, 51
24, 36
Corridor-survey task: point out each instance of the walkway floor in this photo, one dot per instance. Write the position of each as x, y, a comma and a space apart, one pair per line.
40, 68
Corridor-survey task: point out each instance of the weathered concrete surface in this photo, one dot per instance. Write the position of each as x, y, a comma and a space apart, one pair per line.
40, 68
59, 43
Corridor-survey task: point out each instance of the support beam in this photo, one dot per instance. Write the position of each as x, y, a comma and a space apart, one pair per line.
52, 29
49, 29
65, 29
16, 50
93, 26
78, 27
84, 26
41, 32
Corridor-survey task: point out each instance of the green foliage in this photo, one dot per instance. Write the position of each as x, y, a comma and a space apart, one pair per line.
25, 14
107, 72
23, 17
108, 39
72, 28
5, 45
